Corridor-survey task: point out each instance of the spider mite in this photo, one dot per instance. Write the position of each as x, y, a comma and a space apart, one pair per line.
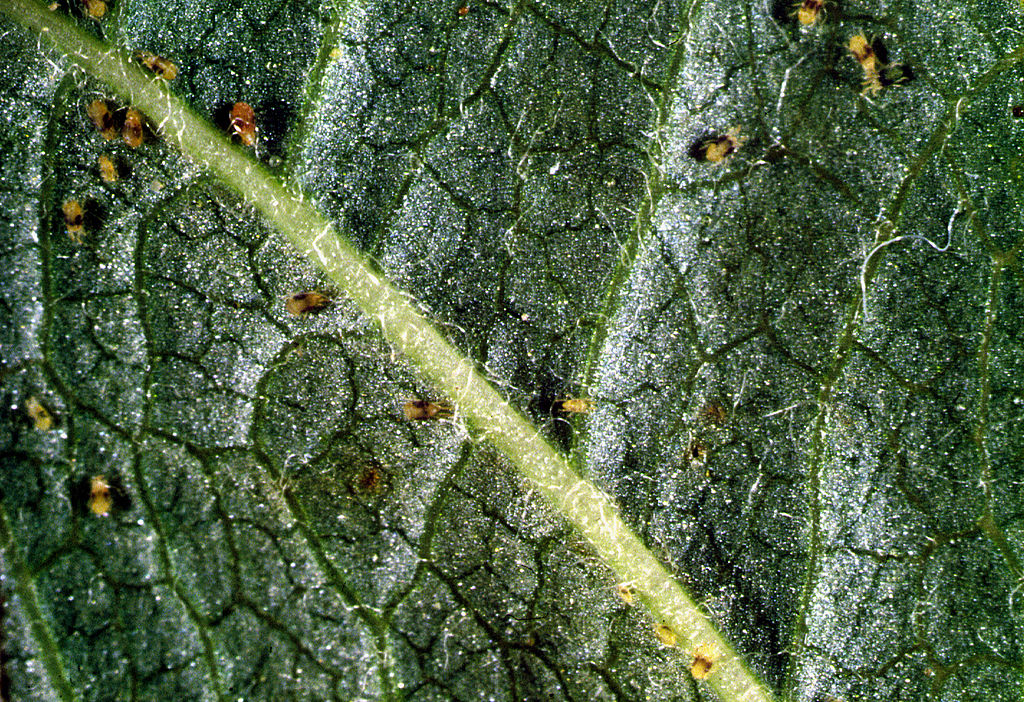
716, 148
101, 495
40, 416
463, 9
704, 659
108, 169
304, 303
665, 634
625, 593
576, 405
369, 480
158, 64
74, 219
95, 8
422, 410
810, 12
864, 52
1017, 111
243, 123
713, 413
133, 132
100, 114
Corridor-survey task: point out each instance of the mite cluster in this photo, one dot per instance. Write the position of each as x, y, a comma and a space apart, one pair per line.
128, 122
714, 147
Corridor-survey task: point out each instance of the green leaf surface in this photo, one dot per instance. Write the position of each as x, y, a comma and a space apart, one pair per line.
804, 362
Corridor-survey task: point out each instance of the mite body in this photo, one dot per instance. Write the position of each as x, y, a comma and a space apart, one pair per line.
133, 132
704, 659
872, 57
74, 220
41, 417
665, 634
101, 116
423, 410
108, 169
810, 12
243, 123
576, 405
303, 303
370, 480
716, 148
95, 8
158, 64
100, 495
714, 414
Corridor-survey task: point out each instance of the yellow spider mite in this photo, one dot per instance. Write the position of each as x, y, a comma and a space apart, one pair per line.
704, 659
810, 12
576, 405
158, 64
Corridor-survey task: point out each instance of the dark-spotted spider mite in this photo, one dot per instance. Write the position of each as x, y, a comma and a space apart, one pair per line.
716, 148
108, 169
95, 8
41, 417
864, 53
243, 123
810, 12
100, 114
713, 413
370, 480
422, 410
463, 9
74, 220
303, 303
704, 659
101, 495
158, 64
576, 405
665, 634
133, 131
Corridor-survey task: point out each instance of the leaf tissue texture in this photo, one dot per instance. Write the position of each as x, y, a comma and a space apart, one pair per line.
802, 361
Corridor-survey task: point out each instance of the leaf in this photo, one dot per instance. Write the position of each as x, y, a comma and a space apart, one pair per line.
836, 477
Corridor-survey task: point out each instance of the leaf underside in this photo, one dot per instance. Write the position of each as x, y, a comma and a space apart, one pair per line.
837, 478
